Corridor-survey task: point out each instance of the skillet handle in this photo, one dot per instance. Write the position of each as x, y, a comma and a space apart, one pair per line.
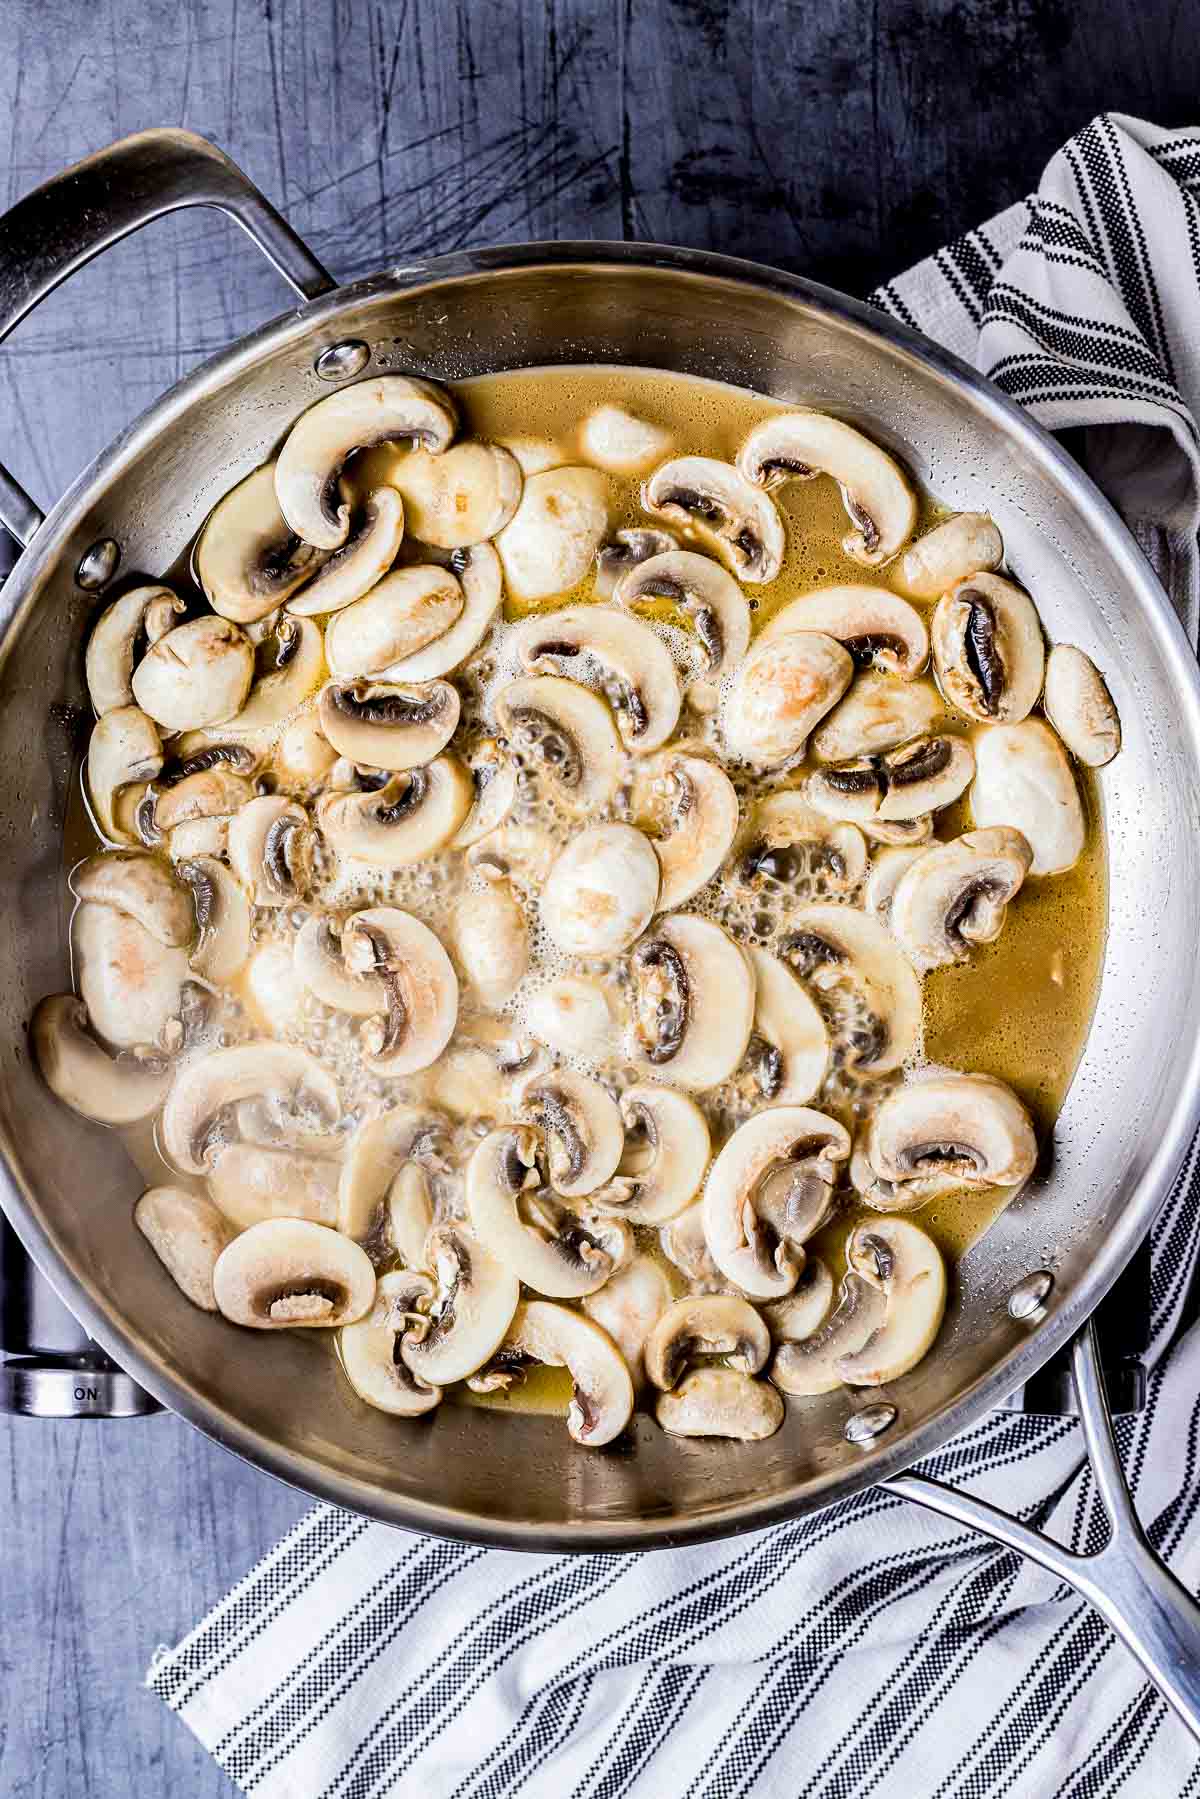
64, 223
1155, 1616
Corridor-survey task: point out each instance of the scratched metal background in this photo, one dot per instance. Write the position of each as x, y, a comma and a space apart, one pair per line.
843, 138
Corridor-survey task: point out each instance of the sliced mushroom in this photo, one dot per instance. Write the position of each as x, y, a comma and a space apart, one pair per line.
964, 545
253, 1181
812, 1365
478, 571
363, 559
125, 748
988, 651
409, 1214
536, 1238
630, 664
904, 832
110, 650
878, 628
222, 916
117, 1089
462, 497
683, 1245
720, 1402
662, 1158
706, 1324
705, 591
128, 979
955, 895
899, 787
1023, 779
384, 409
693, 1001
162, 612
896, 1257
548, 544
704, 495
212, 791
476, 1298
693, 806
602, 1387
272, 992
197, 837
573, 1017
845, 954
628, 1306
187, 1234
1080, 707
617, 440
420, 985
407, 611
887, 868
378, 1152
569, 732
495, 788
475, 1081
141, 886
878, 713
369, 1350
789, 1046
317, 958
198, 674
248, 559
628, 548
582, 1127
805, 1308
195, 1120
879, 502
522, 854
270, 850
492, 940
602, 891
411, 817
535, 454
954, 1130
304, 756
387, 726
768, 1191
785, 837
291, 1274
783, 690
291, 665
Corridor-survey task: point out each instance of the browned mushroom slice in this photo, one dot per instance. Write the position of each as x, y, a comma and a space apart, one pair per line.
387, 726
878, 628
288, 1274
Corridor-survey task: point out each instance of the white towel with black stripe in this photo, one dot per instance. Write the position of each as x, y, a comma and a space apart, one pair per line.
871, 1649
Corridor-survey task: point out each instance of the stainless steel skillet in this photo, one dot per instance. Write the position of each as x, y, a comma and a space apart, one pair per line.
67, 1187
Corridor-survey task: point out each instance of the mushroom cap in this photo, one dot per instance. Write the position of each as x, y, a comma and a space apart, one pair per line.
780, 693
187, 1233
363, 559
785, 822
582, 1124
570, 733
878, 628
247, 558
197, 674
720, 1402
1023, 779
768, 1190
970, 1128
954, 550
388, 726
222, 917
492, 940
835, 947
696, 804
713, 499
110, 650
540, 1242
601, 891
878, 500
602, 1387
288, 1273
663, 1157
368, 1348
897, 1257
253, 1181
705, 591
1080, 707
706, 1324
141, 886
693, 1001
203, 1089
878, 713
109, 1089
413, 816
631, 662
620, 442
954, 895
128, 979
628, 1306
548, 545
460, 497
988, 651
421, 988
124, 748
406, 612
792, 1031
477, 1296
478, 571
270, 849
573, 1017
382, 409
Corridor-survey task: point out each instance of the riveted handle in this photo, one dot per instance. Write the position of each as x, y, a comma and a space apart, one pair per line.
64, 223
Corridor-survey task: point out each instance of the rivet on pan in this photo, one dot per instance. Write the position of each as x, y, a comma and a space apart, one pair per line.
1028, 1298
863, 1427
340, 361
98, 565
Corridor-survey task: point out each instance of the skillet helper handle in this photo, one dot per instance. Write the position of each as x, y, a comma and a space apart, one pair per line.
1151, 1612
64, 223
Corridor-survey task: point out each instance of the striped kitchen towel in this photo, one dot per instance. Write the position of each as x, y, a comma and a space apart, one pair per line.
871, 1649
